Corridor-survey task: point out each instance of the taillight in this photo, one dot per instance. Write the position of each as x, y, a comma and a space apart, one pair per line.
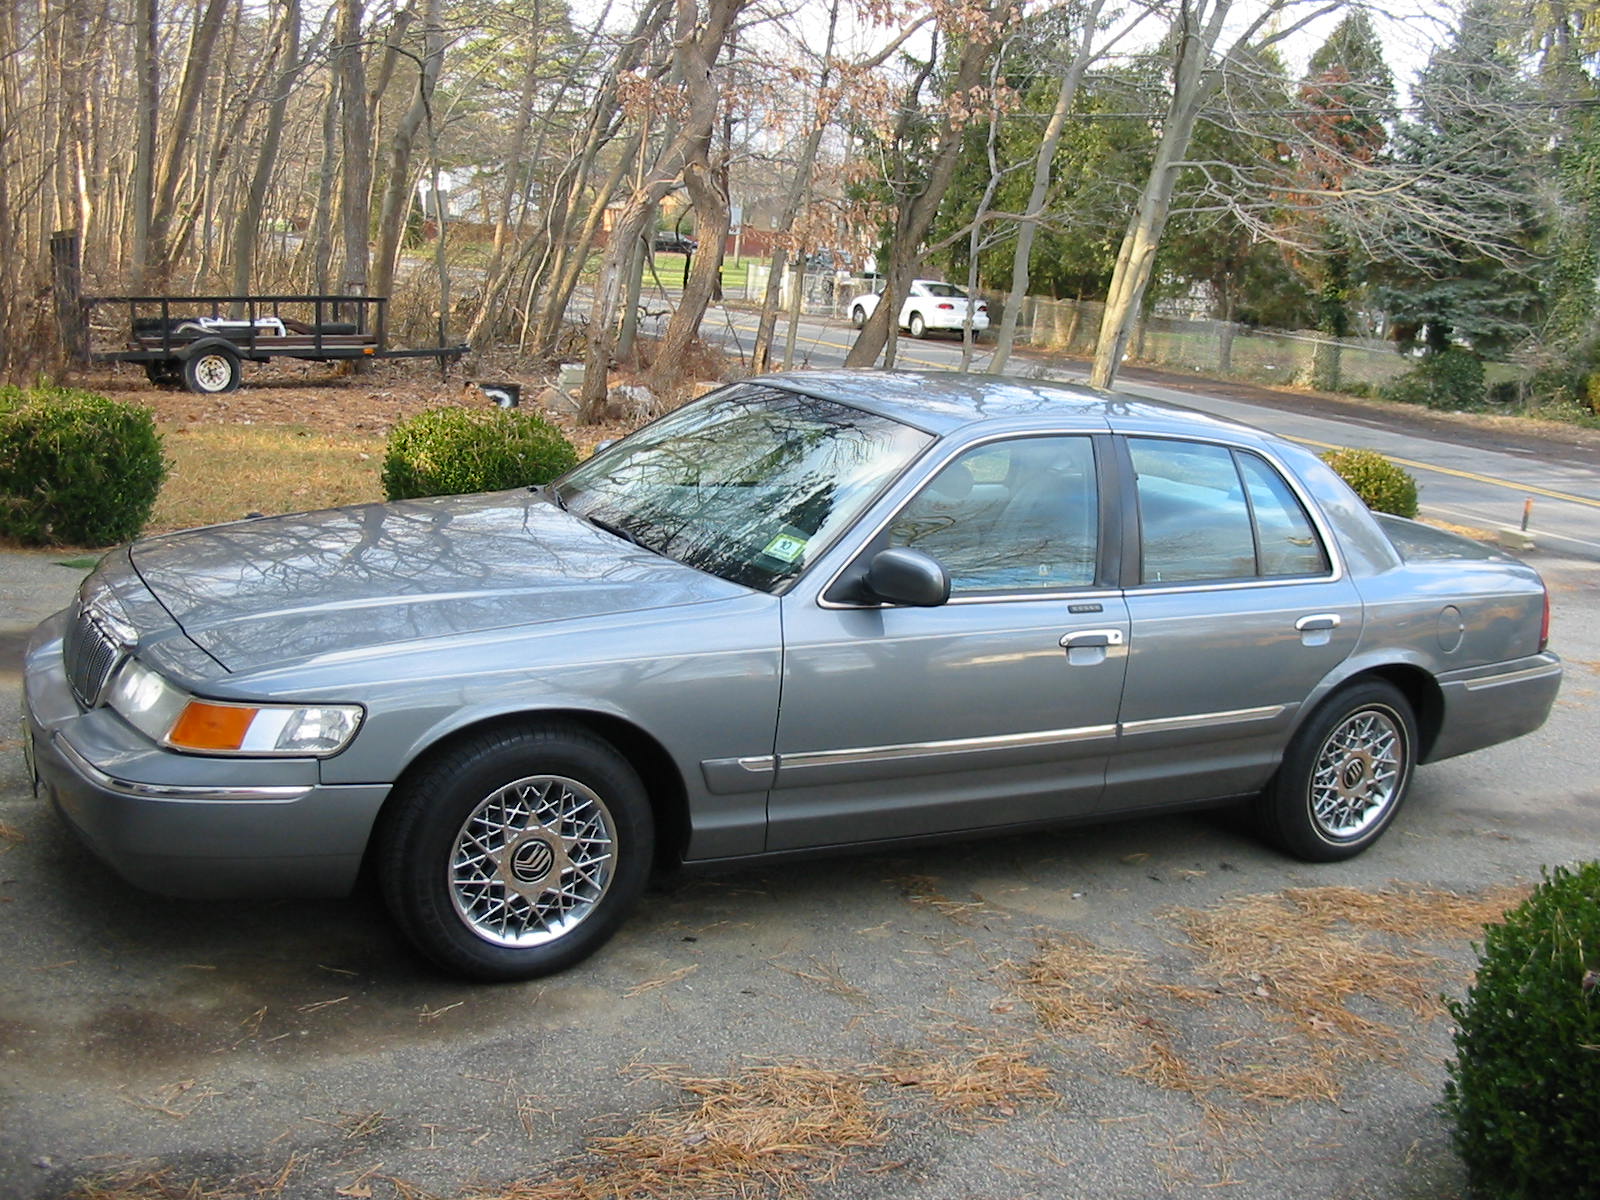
947, 307
1544, 624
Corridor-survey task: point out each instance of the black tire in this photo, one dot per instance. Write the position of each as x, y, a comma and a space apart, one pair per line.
917, 326
858, 317
212, 372
164, 374
1344, 776
493, 912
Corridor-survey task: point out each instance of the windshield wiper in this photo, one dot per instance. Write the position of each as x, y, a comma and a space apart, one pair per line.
615, 529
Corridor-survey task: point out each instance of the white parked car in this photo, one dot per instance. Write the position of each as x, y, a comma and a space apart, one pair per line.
930, 305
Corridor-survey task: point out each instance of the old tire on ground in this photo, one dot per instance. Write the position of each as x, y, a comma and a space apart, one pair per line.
166, 373
212, 371
1344, 775
918, 327
517, 852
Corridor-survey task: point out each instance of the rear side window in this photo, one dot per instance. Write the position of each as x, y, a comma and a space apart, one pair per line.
1207, 512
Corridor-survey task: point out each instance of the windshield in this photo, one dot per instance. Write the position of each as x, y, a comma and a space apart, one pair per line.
749, 484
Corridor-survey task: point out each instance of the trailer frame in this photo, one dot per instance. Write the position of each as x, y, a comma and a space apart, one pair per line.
201, 342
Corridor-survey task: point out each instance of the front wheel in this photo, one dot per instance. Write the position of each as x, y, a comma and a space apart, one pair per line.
516, 854
1344, 775
212, 372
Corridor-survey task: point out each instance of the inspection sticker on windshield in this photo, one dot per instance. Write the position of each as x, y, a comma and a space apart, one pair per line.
785, 548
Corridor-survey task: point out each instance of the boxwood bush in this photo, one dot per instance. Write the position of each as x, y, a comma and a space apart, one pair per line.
447, 451
1383, 486
76, 468
1524, 1090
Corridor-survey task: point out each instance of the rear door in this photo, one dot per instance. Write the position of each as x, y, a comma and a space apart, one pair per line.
1238, 607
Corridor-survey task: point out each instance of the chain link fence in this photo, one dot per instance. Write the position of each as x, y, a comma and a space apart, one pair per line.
1197, 345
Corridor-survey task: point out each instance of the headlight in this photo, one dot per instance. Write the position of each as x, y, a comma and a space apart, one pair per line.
169, 715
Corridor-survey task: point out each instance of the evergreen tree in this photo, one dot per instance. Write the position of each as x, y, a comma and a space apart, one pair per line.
1472, 145
1347, 105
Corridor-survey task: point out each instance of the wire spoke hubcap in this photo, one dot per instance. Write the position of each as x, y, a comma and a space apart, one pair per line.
1359, 773
532, 861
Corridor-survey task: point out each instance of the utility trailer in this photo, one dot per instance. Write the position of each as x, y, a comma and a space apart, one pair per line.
201, 342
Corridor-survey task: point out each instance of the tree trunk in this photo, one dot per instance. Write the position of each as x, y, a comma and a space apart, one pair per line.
356, 181
1136, 257
397, 192
697, 42
147, 58
178, 156
247, 231
916, 215
1043, 166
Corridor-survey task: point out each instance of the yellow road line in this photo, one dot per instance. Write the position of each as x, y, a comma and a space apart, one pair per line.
1469, 475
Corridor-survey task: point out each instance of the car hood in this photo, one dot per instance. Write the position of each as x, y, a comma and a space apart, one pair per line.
269, 591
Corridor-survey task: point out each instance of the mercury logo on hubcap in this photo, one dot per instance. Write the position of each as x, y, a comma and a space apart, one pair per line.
532, 860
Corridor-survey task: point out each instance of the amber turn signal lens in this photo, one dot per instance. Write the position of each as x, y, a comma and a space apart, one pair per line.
205, 726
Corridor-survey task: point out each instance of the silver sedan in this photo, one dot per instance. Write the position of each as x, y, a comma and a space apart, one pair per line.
801, 613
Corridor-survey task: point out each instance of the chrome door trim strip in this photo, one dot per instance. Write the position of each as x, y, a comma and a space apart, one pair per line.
862, 755
1238, 716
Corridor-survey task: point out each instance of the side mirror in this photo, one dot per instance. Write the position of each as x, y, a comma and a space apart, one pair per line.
903, 576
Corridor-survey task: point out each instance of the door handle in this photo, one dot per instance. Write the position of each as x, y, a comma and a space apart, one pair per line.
1092, 637
1313, 622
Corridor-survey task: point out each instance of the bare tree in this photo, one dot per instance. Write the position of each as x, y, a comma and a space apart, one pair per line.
976, 33
698, 39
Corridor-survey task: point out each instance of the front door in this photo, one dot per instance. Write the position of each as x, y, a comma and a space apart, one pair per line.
998, 707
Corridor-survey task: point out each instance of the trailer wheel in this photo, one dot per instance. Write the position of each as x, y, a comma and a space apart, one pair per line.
212, 371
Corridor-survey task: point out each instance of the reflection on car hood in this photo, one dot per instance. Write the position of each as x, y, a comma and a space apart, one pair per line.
269, 591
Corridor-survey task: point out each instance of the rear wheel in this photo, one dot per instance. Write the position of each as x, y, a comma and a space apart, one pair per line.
212, 371
858, 316
1344, 776
516, 854
918, 327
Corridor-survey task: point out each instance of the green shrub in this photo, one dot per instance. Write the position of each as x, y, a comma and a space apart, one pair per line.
447, 451
1450, 379
76, 468
1383, 486
1524, 1091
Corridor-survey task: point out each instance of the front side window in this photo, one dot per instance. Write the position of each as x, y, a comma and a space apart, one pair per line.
1014, 516
749, 484
1210, 513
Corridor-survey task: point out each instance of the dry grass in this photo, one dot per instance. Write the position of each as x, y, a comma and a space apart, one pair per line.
773, 1129
923, 890
1419, 914
975, 1081
1078, 989
222, 472
1301, 987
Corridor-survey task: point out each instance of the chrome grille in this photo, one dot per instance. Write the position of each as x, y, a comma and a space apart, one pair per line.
92, 654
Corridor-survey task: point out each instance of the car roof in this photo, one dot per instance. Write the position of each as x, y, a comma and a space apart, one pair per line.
942, 402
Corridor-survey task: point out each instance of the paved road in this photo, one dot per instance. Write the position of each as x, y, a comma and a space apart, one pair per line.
1463, 480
